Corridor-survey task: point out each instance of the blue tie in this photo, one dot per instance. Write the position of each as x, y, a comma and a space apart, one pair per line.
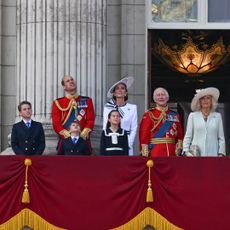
28, 124
74, 140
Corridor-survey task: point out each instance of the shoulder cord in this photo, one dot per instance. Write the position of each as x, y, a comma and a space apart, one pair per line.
64, 109
152, 117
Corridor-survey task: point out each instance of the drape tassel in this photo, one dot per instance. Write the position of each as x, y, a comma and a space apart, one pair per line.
26, 195
149, 195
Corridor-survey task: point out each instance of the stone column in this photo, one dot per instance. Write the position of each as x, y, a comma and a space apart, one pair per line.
126, 42
7, 69
54, 38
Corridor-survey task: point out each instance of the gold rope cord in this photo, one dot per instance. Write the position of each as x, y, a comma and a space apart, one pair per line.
159, 119
63, 109
149, 195
26, 195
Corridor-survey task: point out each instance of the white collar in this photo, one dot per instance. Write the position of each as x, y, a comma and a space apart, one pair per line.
72, 137
26, 121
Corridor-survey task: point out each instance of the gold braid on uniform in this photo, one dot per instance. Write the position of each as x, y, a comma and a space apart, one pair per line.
63, 109
72, 103
158, 119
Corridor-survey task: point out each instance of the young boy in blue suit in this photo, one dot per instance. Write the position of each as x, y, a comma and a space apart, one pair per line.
27, 137
74, 145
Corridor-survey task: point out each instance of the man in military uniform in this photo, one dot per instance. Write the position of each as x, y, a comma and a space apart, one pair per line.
73, 107
160, 132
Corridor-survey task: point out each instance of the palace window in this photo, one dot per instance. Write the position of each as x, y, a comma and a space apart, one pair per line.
193, 14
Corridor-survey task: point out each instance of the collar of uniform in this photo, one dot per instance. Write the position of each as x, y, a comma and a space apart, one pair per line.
162, 109
72, 96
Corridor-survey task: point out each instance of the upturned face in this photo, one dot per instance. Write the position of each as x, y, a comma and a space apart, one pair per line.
74, 128
115, 118
120, 91
26, 111
161, 98
206, 102
69, 84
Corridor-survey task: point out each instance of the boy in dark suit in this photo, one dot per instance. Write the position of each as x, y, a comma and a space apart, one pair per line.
27, 137
74, 145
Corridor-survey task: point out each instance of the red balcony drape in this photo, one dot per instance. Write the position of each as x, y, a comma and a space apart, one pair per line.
73, 192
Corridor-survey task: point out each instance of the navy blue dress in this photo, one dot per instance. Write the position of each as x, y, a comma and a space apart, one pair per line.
114, 144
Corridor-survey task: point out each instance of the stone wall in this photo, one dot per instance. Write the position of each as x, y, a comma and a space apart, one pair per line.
126, 48
97, 54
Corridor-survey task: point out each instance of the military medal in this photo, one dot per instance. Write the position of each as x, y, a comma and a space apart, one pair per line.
82, 112
79, 117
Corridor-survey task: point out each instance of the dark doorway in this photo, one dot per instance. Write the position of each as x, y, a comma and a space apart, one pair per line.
182, 87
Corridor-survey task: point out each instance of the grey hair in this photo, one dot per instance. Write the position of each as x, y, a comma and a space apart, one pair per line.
163, 89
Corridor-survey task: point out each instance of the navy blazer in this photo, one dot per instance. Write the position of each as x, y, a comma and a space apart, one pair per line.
28, 141
69, 148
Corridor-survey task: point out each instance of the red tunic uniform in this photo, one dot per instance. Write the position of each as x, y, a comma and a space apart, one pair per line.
67, 109
165, 145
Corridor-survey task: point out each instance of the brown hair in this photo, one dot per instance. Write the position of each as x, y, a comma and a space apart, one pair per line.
76, 122
109, 115
126, 97
23, 103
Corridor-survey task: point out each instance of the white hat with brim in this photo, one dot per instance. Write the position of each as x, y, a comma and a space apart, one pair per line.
212, 91
128, 81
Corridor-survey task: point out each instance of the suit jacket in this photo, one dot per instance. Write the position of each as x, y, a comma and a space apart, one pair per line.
207, 135
28, 141
69, 148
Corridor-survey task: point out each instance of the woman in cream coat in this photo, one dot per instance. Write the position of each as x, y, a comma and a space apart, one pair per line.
204, 126
118, 96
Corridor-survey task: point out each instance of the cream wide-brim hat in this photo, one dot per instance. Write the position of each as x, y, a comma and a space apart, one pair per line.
128, 81
214, 92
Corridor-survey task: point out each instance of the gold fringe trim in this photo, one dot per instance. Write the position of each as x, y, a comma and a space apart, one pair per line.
26, 195
148, 217
28, 218
149, 195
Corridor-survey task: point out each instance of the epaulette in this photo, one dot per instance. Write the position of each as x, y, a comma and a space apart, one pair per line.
59, 98
152, 108
59, 106
149, 110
